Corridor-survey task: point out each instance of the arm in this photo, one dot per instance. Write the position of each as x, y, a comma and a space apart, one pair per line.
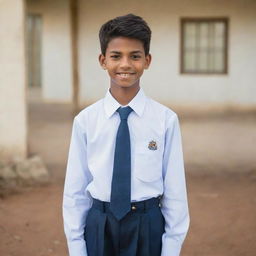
174, 200
76, 201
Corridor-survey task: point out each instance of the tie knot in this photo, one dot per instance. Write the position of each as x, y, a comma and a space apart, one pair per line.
124, 112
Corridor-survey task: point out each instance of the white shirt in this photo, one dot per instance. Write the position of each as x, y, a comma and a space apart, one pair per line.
153, 172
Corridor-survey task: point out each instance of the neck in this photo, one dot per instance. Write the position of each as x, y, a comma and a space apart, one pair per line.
124, 95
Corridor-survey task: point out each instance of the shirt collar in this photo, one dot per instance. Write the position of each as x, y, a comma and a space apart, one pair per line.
137, 103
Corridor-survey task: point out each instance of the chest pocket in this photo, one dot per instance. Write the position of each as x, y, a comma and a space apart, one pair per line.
148, 161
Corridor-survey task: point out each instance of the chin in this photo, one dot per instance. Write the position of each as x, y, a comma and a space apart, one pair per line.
127, 85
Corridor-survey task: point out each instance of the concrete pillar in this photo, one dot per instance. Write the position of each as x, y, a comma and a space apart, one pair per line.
13, 107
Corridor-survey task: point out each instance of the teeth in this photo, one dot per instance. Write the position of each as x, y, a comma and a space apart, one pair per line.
124, 75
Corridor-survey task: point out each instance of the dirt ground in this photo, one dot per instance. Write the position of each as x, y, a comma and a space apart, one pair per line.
219, 153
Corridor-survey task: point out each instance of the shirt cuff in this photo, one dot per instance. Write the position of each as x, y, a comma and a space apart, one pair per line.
170, 248
77, 248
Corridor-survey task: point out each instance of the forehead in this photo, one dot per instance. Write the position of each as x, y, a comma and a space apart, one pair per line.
125, 44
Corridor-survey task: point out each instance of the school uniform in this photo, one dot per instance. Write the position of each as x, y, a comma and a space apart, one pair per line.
158, 220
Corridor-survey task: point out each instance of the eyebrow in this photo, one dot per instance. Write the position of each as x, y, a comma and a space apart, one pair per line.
117, 52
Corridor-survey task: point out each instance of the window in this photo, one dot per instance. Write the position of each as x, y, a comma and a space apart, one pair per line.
34, 49
204, 44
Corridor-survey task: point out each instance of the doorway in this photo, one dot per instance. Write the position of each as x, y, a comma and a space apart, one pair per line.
34, 54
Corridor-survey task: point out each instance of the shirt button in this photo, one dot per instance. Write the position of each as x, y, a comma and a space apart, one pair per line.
133, 207
160, 205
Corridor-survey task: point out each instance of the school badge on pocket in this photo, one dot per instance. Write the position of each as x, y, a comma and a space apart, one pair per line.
152, 145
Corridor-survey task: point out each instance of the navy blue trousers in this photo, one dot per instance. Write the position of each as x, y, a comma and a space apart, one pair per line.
139, 233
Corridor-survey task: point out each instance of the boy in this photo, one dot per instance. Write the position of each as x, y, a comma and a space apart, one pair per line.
125, 191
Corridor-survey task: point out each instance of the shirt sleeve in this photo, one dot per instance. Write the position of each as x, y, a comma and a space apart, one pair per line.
76, 200
174, 200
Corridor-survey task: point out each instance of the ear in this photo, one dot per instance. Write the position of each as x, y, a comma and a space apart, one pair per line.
102, 61
148, 59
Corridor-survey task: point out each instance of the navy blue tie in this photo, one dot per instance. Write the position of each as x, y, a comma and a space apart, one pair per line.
120, 201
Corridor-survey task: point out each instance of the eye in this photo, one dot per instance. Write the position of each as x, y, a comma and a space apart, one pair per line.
136, 56
114, 56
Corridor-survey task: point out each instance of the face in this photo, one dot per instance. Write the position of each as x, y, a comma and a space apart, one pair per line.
125, 61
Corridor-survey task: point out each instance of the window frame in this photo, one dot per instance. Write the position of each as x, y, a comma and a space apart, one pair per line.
183, 20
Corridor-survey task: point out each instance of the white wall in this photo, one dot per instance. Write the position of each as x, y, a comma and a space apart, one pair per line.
56, 48
13, 112
163, 80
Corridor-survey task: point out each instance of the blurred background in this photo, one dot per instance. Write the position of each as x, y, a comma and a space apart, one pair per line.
204, 68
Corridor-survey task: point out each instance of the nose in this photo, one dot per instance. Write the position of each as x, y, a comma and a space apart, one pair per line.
125, 63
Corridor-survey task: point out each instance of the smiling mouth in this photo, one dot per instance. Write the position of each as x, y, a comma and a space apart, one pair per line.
125, 75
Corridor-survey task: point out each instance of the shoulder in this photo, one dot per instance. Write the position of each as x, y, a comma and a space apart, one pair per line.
162, 110
90, 111
164, 115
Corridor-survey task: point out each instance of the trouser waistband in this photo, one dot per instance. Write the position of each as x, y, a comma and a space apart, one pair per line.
135, 206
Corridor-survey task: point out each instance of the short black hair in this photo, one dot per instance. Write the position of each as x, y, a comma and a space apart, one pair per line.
130, 26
